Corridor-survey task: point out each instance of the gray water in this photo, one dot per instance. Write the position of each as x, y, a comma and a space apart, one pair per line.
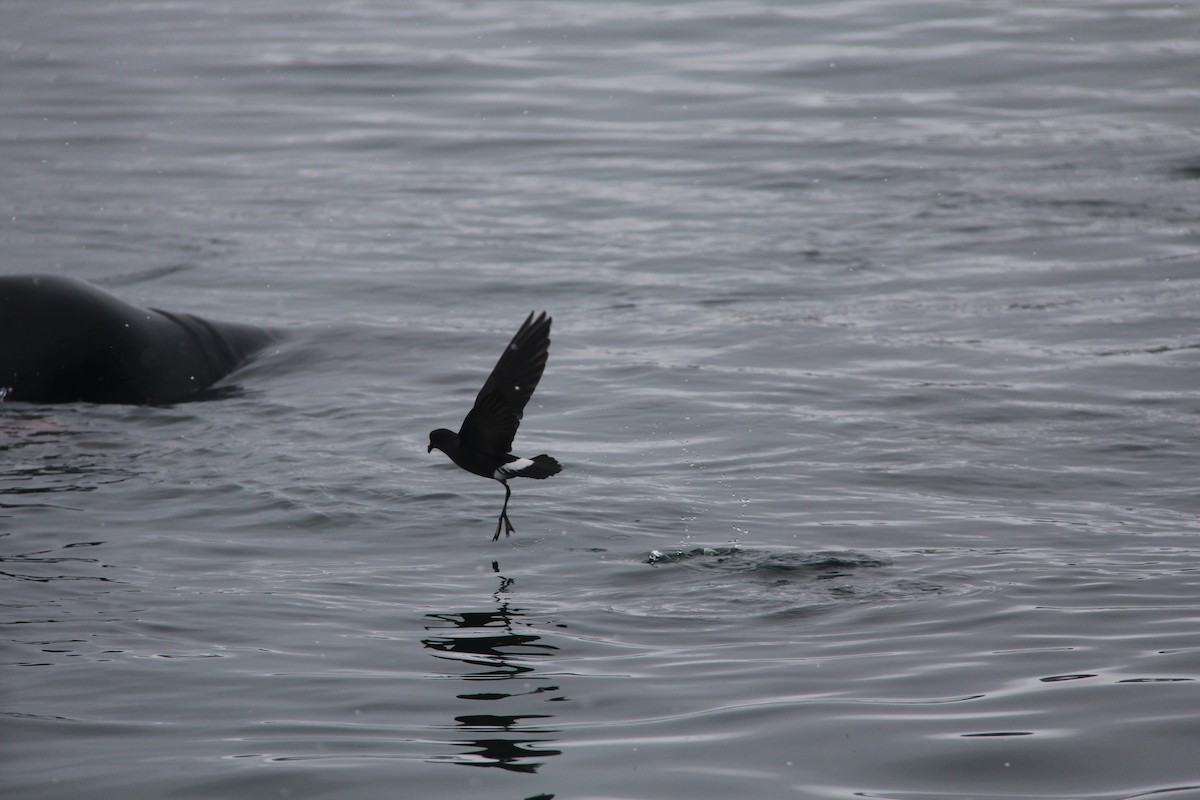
873, 377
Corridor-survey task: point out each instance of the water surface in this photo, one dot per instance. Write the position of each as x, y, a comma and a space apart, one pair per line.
873, 377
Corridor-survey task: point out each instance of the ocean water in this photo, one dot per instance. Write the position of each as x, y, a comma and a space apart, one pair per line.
873, 376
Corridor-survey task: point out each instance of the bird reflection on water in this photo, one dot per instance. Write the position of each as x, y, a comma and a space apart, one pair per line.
489, 642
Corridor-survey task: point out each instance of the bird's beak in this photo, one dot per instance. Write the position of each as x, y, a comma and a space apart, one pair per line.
429, 449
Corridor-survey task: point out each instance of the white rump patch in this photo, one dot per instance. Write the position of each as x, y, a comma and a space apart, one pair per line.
512, 468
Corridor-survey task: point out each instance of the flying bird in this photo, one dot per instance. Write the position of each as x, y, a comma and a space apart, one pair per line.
485, 437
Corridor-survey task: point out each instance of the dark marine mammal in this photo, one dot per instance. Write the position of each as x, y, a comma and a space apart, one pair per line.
64, 340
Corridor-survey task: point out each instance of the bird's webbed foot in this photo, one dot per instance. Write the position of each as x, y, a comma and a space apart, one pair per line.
508, 528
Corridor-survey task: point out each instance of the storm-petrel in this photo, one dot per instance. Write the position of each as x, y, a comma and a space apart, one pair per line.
483, 441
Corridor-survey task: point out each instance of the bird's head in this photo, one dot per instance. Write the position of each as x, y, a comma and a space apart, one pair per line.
442, 439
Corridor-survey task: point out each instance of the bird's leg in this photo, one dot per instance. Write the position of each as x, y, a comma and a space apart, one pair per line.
508, 528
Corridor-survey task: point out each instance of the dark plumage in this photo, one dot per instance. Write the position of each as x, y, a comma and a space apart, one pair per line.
484, 440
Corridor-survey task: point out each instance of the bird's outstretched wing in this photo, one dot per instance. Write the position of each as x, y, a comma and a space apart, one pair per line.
492, 423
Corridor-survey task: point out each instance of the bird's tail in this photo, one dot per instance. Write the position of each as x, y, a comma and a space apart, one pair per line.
543, 466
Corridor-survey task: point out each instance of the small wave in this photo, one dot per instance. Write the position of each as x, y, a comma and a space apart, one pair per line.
822, 564
718, 582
